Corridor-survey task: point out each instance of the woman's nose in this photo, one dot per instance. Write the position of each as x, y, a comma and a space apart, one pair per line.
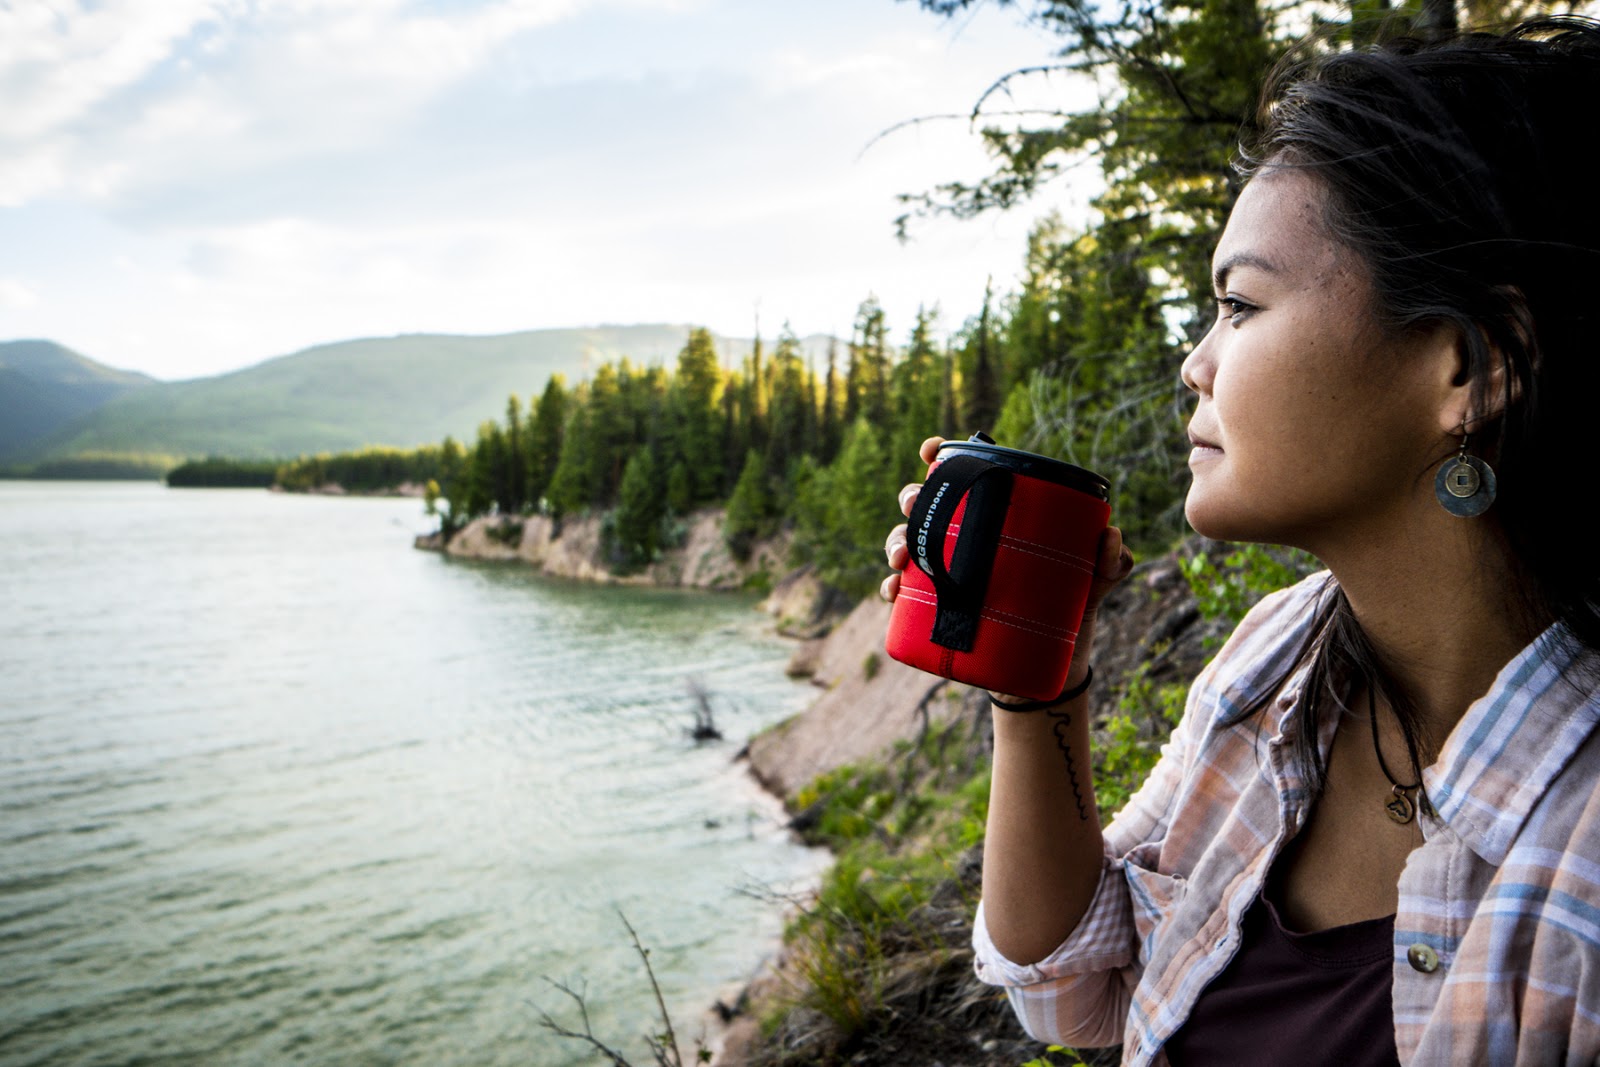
1197, 370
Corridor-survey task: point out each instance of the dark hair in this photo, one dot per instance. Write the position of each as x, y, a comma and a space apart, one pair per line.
1463, 173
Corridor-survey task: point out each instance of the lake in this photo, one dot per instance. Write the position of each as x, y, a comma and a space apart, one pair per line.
275, 787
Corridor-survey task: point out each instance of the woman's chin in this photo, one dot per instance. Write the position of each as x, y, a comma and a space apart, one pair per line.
1211, 519
1201, 518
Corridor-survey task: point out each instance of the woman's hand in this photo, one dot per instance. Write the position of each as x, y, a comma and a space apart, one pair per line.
895, 546
1113, 563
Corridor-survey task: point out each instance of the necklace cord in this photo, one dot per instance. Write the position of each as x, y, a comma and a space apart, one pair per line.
1377, 748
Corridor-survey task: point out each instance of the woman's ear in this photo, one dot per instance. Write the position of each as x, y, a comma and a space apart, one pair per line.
1450, 363
1473, 399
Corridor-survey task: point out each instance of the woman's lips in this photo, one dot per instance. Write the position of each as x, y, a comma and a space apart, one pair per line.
1202, 449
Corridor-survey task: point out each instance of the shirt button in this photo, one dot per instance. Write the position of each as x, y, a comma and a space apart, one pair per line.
1422, 958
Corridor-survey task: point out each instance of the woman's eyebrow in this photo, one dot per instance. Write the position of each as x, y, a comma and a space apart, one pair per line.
1219, 273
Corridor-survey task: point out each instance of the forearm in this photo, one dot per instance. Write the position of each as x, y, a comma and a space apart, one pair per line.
1043, 854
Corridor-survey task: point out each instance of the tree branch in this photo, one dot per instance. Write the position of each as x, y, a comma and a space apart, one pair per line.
586, 1035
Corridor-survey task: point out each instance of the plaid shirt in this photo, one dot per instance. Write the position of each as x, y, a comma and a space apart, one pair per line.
1497, 933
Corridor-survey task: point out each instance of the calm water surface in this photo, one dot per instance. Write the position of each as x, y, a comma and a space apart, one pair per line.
277, 788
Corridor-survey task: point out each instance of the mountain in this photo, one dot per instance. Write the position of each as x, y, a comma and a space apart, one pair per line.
45, 388
400, 391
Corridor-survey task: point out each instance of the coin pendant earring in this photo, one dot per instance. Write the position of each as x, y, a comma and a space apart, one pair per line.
1465, 485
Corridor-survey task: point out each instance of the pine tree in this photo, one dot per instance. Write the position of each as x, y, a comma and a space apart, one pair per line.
790, 406
866, 385
916, 389
697, 426
948, 422
982, 400
749, 507
451, 487
846, 509
545, 431
680, 494
513, 488
640, 509
831, 430
734, 443
570, 481
485, 471
757, 394
610, 427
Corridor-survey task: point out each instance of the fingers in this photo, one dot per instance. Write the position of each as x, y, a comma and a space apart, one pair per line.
908, 495
894, 546
1115, 560
1112, 565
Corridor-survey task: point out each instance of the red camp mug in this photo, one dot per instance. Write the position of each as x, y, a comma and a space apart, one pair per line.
1002, 546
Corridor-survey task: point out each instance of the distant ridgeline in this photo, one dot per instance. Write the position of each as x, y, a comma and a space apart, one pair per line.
45, 389
65, 415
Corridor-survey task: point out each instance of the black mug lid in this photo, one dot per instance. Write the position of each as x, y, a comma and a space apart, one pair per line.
1031, 464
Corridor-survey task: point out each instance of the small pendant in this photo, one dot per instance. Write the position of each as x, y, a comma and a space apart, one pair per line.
1400, 808
1462, 480
1465, 486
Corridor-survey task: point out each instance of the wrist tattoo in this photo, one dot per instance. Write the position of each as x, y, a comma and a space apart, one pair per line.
1061, 725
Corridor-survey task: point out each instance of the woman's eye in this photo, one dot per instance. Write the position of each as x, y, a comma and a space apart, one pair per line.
1233, 309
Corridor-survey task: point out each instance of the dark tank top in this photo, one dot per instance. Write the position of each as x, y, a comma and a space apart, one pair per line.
1309, 1000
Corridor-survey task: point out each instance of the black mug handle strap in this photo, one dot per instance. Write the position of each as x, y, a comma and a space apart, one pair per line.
960, 587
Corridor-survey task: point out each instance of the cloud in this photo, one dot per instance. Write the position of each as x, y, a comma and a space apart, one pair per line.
103, 100
368, 48
58, 61
224, 111
16, 295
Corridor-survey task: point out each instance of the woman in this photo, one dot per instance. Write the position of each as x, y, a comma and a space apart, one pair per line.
1375, 835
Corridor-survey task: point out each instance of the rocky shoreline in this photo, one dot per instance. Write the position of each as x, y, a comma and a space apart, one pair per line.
573, 547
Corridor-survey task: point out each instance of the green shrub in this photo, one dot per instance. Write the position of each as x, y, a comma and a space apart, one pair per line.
1245, 575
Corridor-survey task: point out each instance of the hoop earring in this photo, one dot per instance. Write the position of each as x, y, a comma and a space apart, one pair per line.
1465, 485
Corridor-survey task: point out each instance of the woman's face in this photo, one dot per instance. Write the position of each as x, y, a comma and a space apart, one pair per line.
1314, 424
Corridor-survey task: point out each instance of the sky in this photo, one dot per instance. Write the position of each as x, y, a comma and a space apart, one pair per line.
192, 186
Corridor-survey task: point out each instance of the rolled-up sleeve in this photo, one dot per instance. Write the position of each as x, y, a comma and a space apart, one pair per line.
1079, 993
